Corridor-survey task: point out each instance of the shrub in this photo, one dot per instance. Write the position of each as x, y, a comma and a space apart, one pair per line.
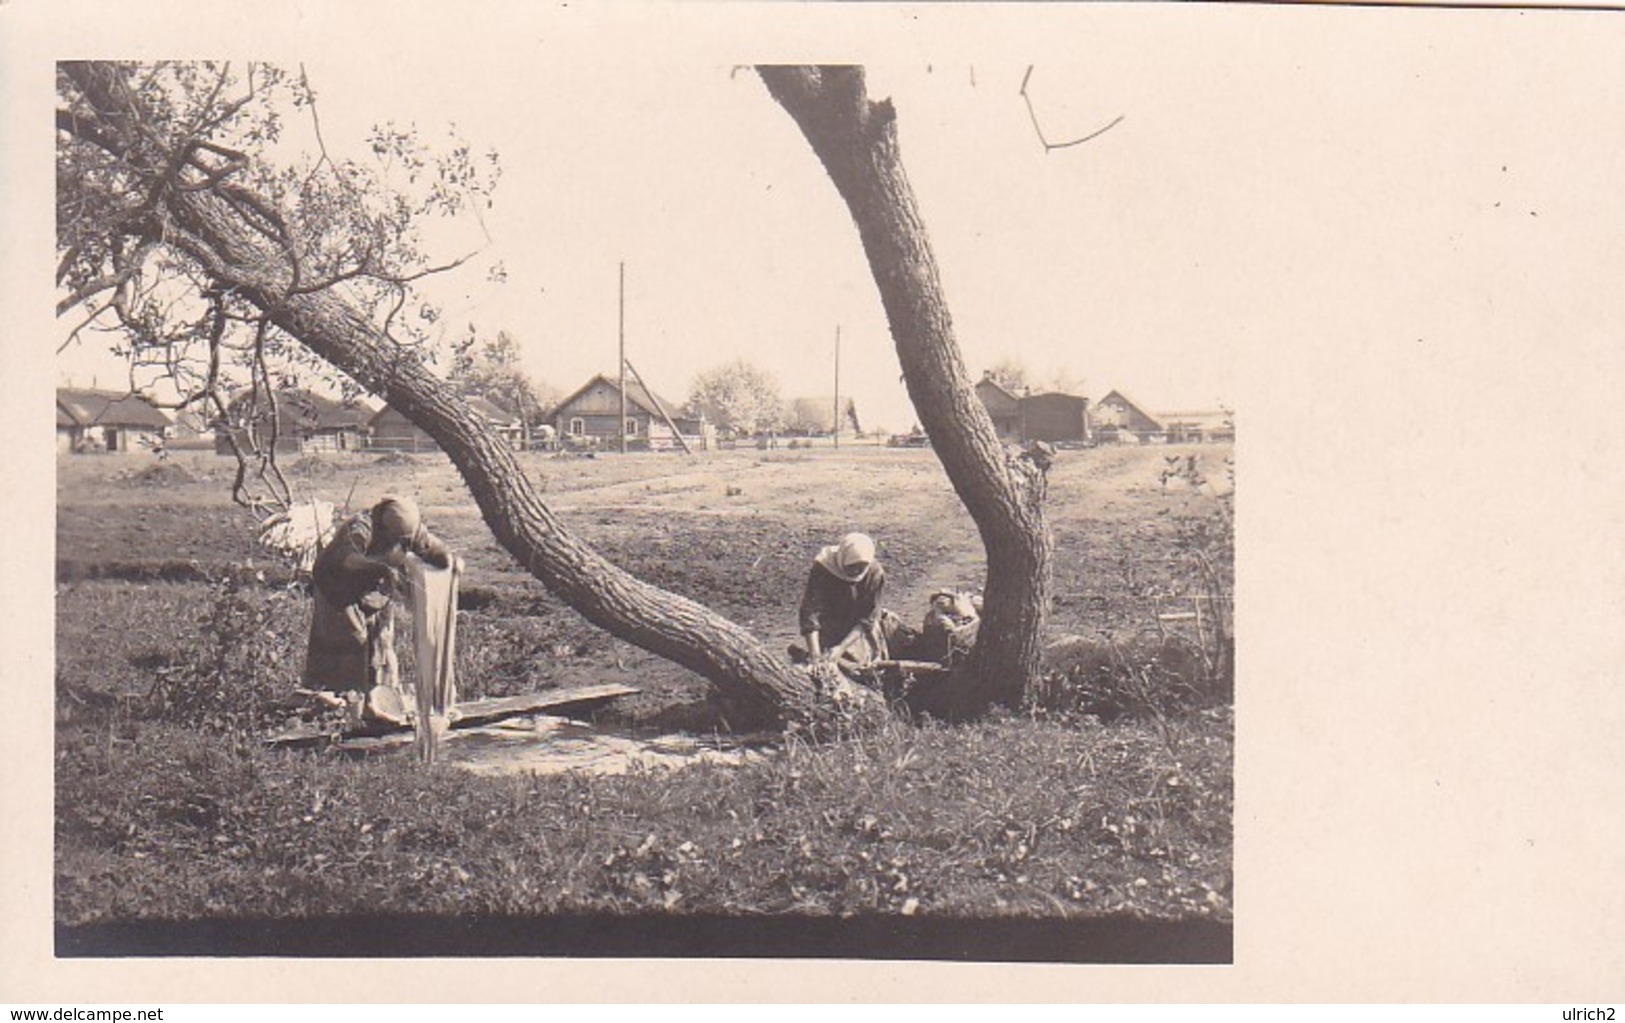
236, 675
1144, 676
1184, 657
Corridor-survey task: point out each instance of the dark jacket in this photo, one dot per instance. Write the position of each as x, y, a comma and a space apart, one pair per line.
831, 606
353, 581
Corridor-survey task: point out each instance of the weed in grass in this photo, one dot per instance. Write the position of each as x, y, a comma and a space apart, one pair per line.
1008, 816
1182, 657
236, 677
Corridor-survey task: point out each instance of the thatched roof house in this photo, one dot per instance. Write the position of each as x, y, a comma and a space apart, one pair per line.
94, 420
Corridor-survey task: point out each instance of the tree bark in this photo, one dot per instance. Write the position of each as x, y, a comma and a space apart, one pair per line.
754, 686
856, 140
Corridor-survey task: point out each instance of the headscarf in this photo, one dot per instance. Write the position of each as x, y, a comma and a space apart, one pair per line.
850, 559
395, 520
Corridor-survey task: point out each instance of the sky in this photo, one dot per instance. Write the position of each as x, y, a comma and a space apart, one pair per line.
1279, 179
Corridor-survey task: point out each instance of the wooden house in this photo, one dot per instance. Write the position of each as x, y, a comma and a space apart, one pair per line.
1119, 418
590, 417
390, 430
1052, 416
1055, 417
94, 420
306, 423
1004, 406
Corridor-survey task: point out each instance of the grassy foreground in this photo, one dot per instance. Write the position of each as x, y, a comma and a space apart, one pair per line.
1010, 816
177, 642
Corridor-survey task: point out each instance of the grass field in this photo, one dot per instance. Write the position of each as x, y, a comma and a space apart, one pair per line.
1046, 814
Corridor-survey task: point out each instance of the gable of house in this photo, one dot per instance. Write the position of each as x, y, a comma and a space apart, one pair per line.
593, 411
602, 396
998, 399
1118, 410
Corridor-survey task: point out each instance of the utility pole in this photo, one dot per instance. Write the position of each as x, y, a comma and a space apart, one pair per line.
623, 357
836, 432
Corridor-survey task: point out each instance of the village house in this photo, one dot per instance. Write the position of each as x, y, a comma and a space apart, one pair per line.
1118, 418
590, 417
306, 423
93, 420
1003, 406
390, 430
1052, 416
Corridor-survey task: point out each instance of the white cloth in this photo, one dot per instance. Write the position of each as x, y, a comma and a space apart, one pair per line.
299, 532
850, 559
434, 634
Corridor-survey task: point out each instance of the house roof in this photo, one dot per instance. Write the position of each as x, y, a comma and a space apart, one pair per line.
990, 381
86, 407
312, 410
635, 394
1054, 395
1131, 403
489, 409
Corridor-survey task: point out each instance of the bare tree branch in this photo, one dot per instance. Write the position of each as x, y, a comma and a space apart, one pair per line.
321, 143
73, 335
96, 287
1048, 145
131, 266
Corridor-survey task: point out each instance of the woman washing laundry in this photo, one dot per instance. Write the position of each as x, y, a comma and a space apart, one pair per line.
840, 607
352, 635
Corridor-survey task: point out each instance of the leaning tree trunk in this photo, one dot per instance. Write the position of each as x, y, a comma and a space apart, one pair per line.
857, 141
754, 686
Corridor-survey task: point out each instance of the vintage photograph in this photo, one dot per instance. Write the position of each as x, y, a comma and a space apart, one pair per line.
722, 510
1106, 503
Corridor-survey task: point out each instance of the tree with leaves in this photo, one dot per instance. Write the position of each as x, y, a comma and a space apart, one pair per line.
492, 371
807, 415
740, 397
176, 224
152, 158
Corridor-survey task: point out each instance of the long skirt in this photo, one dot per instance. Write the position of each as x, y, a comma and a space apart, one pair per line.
350, 649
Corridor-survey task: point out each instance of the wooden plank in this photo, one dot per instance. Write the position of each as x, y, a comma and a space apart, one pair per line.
917, 667
481, 712
675, 432
473, 713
